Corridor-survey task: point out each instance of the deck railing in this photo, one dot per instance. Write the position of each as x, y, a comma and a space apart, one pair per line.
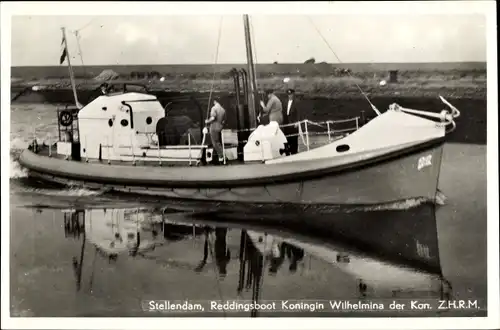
312, 134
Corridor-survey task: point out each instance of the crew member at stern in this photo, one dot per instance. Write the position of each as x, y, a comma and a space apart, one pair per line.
216, 124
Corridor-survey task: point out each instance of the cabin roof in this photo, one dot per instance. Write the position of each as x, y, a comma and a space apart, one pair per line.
114, 102
130, 96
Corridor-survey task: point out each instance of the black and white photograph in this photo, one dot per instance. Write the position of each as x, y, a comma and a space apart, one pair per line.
249, 164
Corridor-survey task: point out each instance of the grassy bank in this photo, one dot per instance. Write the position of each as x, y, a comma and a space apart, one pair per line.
424, 85
466, 79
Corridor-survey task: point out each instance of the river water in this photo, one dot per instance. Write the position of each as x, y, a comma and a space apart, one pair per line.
77, 252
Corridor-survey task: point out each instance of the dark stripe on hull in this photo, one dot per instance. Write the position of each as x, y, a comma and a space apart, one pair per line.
382, 182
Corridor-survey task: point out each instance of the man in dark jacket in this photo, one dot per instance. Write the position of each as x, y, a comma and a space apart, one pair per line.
291, 115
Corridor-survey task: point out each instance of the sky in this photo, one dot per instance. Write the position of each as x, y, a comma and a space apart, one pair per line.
192, 39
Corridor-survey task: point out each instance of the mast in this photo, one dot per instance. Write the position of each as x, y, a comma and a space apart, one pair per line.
70, 69
251, 71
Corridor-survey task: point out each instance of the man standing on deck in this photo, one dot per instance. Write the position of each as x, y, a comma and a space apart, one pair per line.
216, 124
291, 116
272, 110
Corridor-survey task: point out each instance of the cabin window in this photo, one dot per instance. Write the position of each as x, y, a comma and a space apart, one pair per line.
149, 120
124, 122
110, 123
104, 108
343, 148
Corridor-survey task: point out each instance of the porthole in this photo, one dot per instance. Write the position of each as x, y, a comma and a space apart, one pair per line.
343, 148
124, 122
104, 108
110, 122
149, 120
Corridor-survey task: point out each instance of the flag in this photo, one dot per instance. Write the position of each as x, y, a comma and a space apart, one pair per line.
64, 52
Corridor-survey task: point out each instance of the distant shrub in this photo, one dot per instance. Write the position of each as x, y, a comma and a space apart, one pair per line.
145, 75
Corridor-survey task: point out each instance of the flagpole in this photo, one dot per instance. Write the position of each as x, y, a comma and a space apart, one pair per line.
70, 69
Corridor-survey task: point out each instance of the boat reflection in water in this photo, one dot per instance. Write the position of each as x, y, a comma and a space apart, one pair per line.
395, 256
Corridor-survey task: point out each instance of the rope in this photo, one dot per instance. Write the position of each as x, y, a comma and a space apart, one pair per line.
77, 37
338, 59
252, 35
86, 25
211, 85
215, 68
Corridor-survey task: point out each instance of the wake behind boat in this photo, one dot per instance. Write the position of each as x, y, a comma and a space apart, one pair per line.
118, 142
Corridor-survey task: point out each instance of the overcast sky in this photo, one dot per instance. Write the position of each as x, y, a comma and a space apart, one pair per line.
192, 39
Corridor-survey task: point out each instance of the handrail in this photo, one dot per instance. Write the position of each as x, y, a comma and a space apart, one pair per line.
444, 116
319, 124
140, 101
305, 135
131, 114
154, 143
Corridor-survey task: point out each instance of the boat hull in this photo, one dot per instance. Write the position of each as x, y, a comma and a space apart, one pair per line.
412, 174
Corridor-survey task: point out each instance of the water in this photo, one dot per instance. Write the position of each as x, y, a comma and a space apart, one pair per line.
78, 252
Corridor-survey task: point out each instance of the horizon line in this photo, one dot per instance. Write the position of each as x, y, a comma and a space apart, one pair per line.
283, 63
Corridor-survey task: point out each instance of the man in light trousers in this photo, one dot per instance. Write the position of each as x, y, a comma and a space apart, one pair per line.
216, 124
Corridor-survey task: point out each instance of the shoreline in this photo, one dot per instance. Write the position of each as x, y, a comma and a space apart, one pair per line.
470, 87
